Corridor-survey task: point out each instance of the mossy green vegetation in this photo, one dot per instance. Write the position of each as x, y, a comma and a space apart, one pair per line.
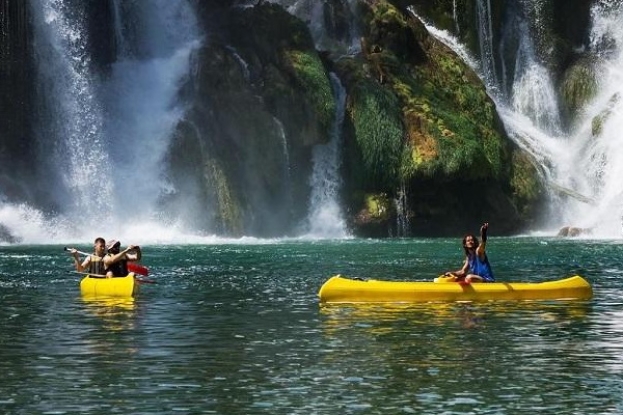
228, 206
313, 78
443, 104
525, 183
579, 86
379, 133
421, 116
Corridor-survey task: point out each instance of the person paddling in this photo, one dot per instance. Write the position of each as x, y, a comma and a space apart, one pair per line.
116, 261
476, 267
93, 263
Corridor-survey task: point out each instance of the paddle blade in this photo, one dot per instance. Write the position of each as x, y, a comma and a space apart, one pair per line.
137, 269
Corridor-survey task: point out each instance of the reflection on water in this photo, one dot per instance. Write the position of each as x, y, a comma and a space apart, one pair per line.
115, 313
465, 356
466, 314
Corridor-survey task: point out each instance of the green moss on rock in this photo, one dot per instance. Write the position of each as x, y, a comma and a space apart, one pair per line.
313, 79
579, 85
379, 132
526, 185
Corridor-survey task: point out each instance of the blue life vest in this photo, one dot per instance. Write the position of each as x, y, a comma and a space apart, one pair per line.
479, 267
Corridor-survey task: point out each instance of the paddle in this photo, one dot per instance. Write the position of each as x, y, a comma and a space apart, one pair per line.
80, 252
132, 267
138, 268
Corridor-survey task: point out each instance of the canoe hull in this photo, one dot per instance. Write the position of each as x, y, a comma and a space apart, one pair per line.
344, 290
109, 287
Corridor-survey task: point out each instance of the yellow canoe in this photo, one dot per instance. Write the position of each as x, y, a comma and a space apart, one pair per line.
344, 290
109, 287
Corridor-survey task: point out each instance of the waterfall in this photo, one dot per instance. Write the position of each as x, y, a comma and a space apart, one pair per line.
532, 94
155, 45
332, 24
485, 37
325, 218
72, 127
104, 131
583, 166
592, 162
402, 212
529, 109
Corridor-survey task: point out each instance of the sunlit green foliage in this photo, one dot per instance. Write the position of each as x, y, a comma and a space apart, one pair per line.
313, 78
379, 133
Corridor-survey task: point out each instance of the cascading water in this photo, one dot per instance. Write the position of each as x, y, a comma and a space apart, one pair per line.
592, 163
586, 168
528, 107
106, 132
483, 14
325, 216
156, 42
330, 32
72, 127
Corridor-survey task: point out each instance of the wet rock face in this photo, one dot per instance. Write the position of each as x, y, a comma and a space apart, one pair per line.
571, 231
259, 102
18, 166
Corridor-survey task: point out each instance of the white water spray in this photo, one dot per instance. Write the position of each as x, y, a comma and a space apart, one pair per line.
142, 97
593, 163
72, 129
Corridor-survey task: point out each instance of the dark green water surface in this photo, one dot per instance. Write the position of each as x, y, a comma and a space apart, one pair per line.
237, 329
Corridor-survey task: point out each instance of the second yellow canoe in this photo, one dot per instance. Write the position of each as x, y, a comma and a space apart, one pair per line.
344, 290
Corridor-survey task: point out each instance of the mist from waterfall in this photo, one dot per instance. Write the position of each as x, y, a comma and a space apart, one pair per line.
107, 134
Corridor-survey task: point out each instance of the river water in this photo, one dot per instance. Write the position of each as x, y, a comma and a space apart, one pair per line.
237, 329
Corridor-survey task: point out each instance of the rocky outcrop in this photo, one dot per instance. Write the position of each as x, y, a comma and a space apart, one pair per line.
421, 122
260, 101
571, 231
16, 99
419, 125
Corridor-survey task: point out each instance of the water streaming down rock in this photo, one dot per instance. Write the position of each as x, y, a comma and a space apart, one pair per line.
528, 104
402, 212
331, 23
155, 45
325, 218
592, 162
485, 37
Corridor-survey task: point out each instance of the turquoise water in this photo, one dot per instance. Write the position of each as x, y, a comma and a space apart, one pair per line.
237, 329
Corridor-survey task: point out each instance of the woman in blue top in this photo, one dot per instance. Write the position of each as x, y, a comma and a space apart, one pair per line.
476, 267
